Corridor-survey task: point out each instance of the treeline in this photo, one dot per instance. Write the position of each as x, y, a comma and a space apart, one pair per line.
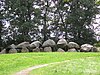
31, 20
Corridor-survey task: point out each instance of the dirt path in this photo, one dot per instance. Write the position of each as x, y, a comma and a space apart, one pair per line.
28, 70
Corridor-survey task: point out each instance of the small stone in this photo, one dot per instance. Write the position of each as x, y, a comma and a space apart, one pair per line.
72, 50
24, 50
36, 50
12, 51
60, 50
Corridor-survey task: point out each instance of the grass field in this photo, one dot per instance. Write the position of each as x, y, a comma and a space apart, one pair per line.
12, 63
83, 66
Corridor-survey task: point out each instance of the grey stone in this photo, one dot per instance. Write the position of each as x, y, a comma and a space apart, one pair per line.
41, 50
47, 49
73, 45
12, 51
24, 50
60, 50
12, 46
62, 41
23, 44
49, 43
3, 51
35, 44
36, 50
86, 48
72, 50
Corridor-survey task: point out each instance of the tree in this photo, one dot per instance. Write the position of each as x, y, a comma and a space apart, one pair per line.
1, 21
82, 12
31, 20
23, 19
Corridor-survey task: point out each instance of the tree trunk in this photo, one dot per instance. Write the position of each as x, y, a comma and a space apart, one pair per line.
45, 24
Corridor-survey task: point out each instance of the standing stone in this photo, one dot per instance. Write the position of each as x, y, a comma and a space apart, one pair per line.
47, 49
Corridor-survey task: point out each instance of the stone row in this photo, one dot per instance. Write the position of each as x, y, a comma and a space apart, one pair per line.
49, 46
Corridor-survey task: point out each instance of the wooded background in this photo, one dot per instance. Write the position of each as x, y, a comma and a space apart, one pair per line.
31, 20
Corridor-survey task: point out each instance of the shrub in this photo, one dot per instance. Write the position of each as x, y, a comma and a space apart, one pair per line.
97, 44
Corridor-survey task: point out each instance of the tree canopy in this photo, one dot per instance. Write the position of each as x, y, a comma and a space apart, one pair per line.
31, 20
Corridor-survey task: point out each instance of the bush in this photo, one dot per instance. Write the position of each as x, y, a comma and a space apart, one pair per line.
97, 44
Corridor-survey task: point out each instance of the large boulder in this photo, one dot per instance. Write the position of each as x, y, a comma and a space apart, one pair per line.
12, 51
72, 50
60, 50
36, 50
88, 48
73, 45
23, 44
47, 49
49, 43
35, 44
23, 47
62, 43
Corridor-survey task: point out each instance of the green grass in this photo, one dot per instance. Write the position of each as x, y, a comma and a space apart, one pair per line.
12, 63
79, 66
